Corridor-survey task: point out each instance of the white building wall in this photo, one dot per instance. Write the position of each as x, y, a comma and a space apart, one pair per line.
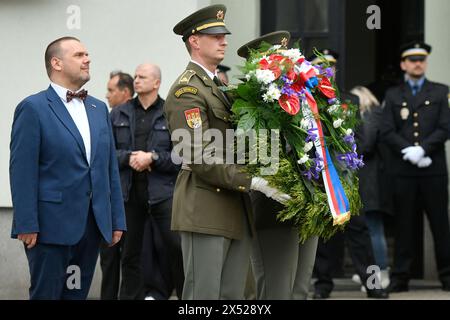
118, 35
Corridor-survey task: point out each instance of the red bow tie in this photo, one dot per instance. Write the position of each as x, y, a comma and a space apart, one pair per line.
80, 95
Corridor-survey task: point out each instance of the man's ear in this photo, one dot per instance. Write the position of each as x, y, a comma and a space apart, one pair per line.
56, 63
402, 65
193, 41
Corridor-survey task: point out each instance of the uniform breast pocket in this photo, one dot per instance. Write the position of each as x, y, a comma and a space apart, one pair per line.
221, 114
121, 131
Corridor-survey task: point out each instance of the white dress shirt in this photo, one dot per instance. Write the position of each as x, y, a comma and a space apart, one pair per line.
78, 113
209, 73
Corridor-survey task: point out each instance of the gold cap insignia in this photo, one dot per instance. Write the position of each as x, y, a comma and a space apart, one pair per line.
417, 45
284, 42
220, 15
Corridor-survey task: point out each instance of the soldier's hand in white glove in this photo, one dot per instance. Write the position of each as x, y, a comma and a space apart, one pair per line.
262, 185
413, 154
424, 162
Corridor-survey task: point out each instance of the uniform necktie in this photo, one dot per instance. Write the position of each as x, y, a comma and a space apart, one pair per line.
415, 89
217, 82
80, 95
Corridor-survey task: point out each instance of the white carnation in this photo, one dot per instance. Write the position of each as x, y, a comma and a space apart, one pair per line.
264, 76
303, 159
273, 93
293, 54
337, 123
333, 108
348, 132
308, 146
276, 47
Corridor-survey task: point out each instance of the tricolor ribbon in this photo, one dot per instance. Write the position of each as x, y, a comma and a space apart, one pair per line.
337, 200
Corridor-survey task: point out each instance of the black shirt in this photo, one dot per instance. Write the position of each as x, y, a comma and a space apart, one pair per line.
144, 120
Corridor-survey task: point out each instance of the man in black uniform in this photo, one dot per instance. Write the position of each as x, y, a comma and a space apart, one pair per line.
356, 236
415, 126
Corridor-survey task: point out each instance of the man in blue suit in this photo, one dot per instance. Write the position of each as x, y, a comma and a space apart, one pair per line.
64, 177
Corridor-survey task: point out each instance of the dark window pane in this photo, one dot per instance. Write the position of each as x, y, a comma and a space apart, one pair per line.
288, 13
316, 16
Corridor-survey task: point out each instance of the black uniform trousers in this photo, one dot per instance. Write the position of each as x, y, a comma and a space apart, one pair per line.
152, 262
329, 254
432, 193
110, 265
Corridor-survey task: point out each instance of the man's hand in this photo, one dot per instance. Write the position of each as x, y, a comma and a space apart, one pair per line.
29, 239
413, 154
262, 185
117, 235
424, 162
140, 160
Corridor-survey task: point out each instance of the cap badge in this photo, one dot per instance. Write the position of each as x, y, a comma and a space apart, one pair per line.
284, 42
220, 15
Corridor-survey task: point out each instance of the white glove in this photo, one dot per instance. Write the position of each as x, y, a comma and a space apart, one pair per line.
413, 154
262, 185
424, 162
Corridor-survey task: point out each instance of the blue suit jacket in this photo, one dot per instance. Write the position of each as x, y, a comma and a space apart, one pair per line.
51, 181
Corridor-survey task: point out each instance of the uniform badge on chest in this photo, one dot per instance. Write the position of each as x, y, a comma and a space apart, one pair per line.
404, 113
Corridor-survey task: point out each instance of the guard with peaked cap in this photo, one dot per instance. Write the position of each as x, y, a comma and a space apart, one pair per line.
209, 20
274, 38
415, 125
211, 207
275, 249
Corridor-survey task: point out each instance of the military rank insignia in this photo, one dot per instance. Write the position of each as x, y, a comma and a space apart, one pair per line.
193, 118
187, 89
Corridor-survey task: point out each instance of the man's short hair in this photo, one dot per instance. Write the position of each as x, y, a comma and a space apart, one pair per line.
54, 50
125, 81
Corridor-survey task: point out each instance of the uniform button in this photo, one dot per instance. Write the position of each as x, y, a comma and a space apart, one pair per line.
416, 143
218, 190
427, 103
416, 114
416, 134
416, 124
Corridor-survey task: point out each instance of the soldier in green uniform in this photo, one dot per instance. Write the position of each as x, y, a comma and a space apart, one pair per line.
282, 268
211, 208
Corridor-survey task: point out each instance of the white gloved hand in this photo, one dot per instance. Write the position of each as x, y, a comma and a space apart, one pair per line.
424, 162
262, 185
413, 154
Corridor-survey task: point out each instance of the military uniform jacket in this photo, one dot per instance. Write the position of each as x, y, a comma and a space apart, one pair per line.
208, 198
421, 120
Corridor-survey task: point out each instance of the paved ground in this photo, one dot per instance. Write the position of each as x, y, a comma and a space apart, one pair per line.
346, 289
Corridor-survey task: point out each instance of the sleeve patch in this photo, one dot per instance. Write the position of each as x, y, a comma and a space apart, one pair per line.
193, 118
184, 90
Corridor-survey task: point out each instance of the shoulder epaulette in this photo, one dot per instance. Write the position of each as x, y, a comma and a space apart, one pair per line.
186, 77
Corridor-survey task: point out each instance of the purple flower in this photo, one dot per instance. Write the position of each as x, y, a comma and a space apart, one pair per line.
315, 170
287, 90
331, 101
350, 139
311, 136
329, 72
286, 80
351, 160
